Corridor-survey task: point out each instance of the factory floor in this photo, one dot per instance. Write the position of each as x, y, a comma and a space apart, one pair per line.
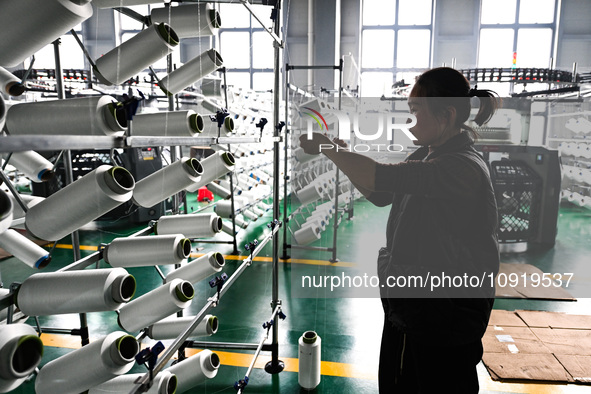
350, 328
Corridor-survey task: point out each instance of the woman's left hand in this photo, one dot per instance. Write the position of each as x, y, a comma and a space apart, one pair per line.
312, 146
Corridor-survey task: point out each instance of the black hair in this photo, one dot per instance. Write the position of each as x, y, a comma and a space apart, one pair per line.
451, 84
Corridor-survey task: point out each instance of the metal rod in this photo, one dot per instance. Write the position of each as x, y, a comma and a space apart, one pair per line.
273, 34
81, 45
334, 258
284, 255
259, 347
134, 15
222, 345
292, 67
13, 191
26, 75
83, 263
211, 302
275, 365
160, 273
319, 248
49, 330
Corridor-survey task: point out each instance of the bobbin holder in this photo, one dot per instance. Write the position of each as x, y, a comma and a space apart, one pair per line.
212, 302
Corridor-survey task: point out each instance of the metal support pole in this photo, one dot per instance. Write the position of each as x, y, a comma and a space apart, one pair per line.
258, 350
334, 258
286, 178
275, 365
61, 94
232, 201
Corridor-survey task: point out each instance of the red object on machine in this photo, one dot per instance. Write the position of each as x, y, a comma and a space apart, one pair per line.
203, 194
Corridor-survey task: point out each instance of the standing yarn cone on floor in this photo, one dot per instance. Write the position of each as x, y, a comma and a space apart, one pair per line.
309, 360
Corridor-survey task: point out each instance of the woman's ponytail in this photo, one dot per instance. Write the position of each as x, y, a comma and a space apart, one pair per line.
489, 103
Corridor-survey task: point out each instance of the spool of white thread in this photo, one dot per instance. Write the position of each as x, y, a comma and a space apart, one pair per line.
318, 222
219, 190
55, 293
20, 353
191, 72
214, 167
200, 225
167, 181
224, 208
198, 269
191, 20
195, 370
17, 211
584, 150
88, 366
573, 197
147, 251
29, 25
168, 124
257, 211
309, 194
122, 3
564, 194
24, 249
3, 111
164, 383
156, 305
248, 214
78, 116
35, 167
210, 127
344, 198
302, 156
307, 235
172, 327
586, 202
309, 360
241, 222
227, 228
10, 84
136, 54
225, 183
6, 214
79, 203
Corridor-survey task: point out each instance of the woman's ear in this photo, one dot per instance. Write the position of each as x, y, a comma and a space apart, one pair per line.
450, 115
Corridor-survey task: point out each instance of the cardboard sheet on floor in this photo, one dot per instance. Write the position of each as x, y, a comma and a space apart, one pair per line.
505, 318
565, 341
541, 367
578, 366
529, 288
512, 340
532, 345
554, 319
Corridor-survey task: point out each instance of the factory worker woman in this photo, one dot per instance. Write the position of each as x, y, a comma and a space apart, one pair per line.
443, 221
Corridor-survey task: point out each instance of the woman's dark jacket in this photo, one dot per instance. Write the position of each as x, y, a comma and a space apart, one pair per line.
443, 221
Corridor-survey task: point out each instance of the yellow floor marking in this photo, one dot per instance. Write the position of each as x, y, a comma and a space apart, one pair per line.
289, 261
327, 368
240, 257
60, 340
82, 247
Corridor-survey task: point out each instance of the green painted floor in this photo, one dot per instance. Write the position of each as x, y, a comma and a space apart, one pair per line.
350, 328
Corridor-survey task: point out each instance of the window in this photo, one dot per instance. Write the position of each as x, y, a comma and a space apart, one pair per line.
246, 48
396, 42
526, 28
378, 49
